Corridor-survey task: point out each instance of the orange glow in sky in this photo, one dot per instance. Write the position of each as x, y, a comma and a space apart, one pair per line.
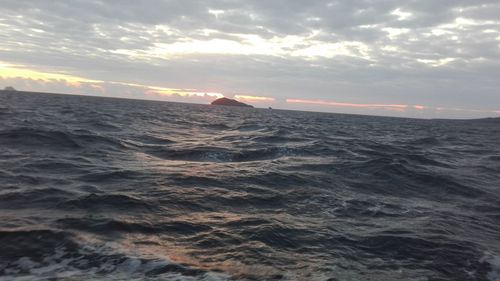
343, 104
15, 71
12, 71
72, 82
254, 99
184, 92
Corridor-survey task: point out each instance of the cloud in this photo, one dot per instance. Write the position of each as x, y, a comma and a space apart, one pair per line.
438, 53
30, 80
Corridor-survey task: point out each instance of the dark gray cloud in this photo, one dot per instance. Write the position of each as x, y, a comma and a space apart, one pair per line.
436, 53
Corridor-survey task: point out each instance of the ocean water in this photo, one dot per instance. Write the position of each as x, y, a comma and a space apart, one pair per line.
110, 189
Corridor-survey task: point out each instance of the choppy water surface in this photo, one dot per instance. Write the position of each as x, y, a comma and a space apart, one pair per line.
109, 189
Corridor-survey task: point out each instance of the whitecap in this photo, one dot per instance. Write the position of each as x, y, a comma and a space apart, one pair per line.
494, 274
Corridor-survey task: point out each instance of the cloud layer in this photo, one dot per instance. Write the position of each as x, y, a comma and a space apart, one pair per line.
436, 54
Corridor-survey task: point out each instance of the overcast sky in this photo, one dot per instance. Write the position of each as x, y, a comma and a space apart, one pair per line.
420, 58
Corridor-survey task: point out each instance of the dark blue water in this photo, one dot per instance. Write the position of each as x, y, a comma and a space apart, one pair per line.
109, 189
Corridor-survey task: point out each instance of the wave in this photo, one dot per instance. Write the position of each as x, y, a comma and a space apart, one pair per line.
35, 198
224, 155
109, 226
106, 189
31, 137
45, 254
107, 201
56, 140
427, 141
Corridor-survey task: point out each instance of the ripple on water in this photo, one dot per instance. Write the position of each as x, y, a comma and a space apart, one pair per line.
110, 189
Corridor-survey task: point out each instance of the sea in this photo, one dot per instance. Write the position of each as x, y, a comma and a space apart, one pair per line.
95, 188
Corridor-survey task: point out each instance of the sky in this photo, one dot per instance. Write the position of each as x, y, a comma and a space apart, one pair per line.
409, 58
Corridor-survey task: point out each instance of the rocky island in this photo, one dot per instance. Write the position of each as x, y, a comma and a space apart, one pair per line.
229, 102
9, 89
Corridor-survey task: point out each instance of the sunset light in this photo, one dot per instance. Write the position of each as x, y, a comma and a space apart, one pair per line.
356, 105
254, 99
218, 140
12, 71
405, 54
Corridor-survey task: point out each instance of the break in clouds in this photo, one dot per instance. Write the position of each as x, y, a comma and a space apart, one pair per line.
438, 58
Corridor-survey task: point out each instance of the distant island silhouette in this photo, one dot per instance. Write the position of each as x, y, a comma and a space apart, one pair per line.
9, 88
229, 102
